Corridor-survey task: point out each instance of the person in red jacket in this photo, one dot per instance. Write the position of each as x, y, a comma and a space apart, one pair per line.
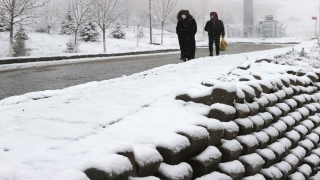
186, 30
215, 29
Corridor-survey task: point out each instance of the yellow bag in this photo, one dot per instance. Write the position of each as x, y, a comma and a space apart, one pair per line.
223, 45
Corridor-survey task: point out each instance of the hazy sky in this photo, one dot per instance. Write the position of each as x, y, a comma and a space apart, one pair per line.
302, 9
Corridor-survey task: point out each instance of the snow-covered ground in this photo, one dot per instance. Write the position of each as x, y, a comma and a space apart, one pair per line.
41, 44
60, 133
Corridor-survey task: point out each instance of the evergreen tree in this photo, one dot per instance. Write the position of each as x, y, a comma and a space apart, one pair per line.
19, 48
70, 47
118, 33
67, 24
89, 32
4, 26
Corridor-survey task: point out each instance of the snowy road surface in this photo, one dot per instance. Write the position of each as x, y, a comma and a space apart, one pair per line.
17, 82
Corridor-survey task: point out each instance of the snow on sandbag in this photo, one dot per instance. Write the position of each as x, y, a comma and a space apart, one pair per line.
263, 139
231, 150
220, 93
255, 177
234, 169
308, 124
256, 86
262, 102
281, 95
314, 138
316, 176
301, 101
289, 92
248, 91
305, 170
317, 131
215, 176
242, 110
272, 173
253, 163
316, 152
148, 160
215, 129
302, 130
222, 112
292, 104
299, 152
258, 122
206, 162
286, 143
307, 145
293, 136
272, 133
275, 112
296, 116
249, 144
108, 166
312, 109
180, 171
268, 156
292, 160
231, 130
284, 108
289, 121
281, 127
245, 126
296, 176
198, 137
70, 174
267, 117
304, 112
254, 108
313, 161
144, 178
312, 76
285, 168
273, 99
278, 149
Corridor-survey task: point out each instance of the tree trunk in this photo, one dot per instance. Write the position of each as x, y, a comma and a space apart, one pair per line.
162, 25
75, 40
104, 39
11, 40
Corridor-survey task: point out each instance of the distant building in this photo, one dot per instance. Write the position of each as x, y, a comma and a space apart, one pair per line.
271, 28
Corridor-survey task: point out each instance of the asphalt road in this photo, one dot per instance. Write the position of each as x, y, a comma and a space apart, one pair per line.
17, 82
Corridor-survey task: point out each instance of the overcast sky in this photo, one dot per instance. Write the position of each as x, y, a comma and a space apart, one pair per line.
302, 9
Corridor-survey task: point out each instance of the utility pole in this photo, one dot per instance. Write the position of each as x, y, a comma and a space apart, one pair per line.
150, 22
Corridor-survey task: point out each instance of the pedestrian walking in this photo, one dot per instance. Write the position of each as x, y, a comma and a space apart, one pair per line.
215, 29
186, 30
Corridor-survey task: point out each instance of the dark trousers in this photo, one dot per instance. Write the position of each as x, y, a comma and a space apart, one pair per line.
187, 47
216, 41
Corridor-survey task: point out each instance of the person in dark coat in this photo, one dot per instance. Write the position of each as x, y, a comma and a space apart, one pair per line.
186, 31
215, 29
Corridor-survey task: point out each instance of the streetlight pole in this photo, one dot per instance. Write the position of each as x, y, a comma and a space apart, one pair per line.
150, 22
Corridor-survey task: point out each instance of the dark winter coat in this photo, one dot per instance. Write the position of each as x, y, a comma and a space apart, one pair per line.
215, 28
186, 30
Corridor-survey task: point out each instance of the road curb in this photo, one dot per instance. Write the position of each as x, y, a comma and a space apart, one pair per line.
58, 58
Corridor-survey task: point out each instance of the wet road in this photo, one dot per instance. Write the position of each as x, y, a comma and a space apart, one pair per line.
17, 82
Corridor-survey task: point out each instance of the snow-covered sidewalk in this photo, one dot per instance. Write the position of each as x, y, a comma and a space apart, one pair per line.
46, 133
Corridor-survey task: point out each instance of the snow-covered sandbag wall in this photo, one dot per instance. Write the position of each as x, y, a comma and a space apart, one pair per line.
271, 126
258, 127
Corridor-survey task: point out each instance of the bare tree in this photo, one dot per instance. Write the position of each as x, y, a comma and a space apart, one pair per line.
163, 9
50, 16
81, 12
105, 13
128, 10
18, 11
